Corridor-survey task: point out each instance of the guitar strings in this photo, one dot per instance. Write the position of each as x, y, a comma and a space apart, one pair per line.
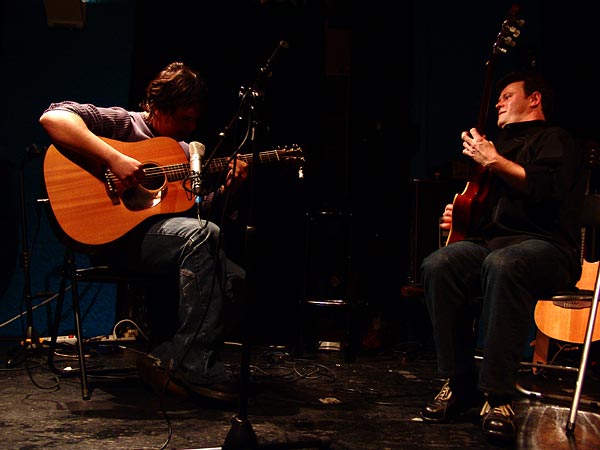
182, 169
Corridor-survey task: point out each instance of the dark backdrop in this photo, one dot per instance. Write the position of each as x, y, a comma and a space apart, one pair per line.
376, 93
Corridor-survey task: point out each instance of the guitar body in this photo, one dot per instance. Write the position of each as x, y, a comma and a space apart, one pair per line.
567, 321
467, 206
81, 202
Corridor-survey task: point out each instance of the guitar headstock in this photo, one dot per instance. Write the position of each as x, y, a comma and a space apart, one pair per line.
509, 32
591, 154
293, 154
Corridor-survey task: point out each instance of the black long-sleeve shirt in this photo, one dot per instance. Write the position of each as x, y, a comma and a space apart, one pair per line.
550, 206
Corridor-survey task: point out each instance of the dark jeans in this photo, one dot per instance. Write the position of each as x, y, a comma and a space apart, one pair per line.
508, 281
207, 281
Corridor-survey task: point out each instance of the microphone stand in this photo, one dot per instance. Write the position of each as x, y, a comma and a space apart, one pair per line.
31, 340
241, 435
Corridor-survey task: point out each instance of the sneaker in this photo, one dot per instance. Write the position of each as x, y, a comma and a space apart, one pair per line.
447, 404
498, 422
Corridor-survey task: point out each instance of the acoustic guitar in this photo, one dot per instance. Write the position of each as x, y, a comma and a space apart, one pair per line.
467, 206
565, 319
92, 207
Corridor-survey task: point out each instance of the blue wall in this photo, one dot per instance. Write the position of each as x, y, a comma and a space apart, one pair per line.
41, 65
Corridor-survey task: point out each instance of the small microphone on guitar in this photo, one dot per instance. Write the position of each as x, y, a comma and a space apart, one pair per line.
197, 151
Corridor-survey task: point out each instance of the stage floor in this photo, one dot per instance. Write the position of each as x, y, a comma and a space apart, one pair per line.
316, 401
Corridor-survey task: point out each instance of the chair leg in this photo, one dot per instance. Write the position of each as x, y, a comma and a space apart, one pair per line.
85, 392
57, 313
584, 359
69, 273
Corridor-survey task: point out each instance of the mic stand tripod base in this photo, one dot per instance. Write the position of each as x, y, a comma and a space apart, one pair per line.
31, 344
241, 432
241, 436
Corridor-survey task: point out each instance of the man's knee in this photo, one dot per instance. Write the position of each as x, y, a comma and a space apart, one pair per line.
433, 263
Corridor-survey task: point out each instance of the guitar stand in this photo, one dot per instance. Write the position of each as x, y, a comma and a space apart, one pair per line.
576, 398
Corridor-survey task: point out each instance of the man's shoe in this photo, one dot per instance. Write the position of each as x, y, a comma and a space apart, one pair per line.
177, 385
447, 404
226, 392
498, 422
159, 379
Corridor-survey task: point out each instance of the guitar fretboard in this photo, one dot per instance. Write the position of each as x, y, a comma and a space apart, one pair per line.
179, 171
220, 164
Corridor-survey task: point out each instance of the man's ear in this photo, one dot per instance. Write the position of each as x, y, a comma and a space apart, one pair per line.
535, 98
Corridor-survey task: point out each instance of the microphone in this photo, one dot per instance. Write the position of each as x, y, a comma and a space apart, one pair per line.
196, 154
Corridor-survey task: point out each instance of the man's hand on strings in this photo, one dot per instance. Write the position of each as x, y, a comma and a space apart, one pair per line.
478, 148
236, 176
128, 170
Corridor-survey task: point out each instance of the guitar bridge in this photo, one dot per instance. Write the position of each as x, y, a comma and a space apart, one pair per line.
111, 189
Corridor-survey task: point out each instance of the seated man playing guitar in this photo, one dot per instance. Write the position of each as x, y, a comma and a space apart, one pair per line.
187, 247
521, 245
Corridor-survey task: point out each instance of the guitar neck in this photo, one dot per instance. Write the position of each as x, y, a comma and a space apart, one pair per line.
179, 171
504, 40
484, 106
220, 164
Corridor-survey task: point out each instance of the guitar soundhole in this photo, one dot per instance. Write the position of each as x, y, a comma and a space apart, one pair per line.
150, 192
154, 176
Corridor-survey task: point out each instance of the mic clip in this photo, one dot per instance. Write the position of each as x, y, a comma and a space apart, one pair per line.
196, 183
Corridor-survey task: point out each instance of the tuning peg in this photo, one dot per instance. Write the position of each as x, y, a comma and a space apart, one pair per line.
505, 41
514, 31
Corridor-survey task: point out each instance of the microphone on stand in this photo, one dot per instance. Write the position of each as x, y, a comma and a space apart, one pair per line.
196, 154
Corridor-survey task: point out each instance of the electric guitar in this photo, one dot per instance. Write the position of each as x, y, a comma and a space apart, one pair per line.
467, 206
93, 208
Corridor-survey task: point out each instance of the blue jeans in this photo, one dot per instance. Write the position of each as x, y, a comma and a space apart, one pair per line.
207, 281
509, 280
